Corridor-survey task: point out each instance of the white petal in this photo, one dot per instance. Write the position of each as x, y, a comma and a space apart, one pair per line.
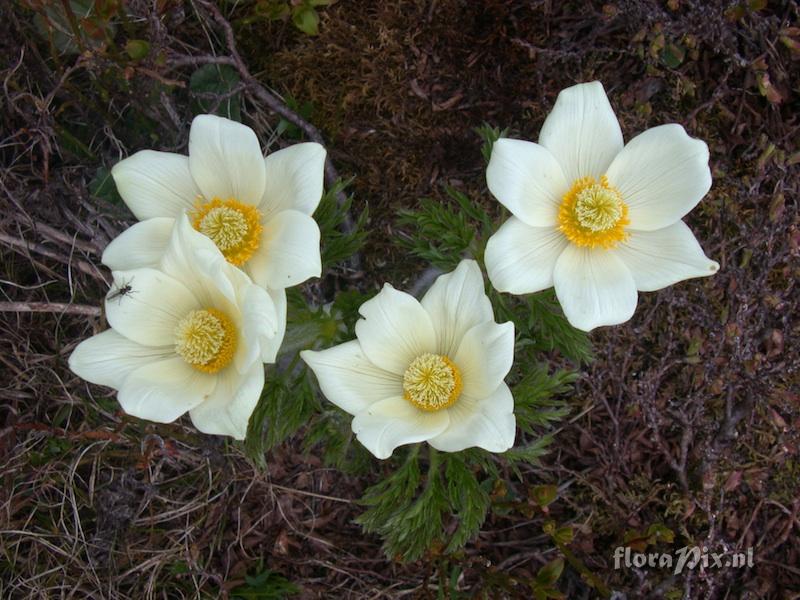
395, 330
225, 159
228, 409
457, 302
527, 179
662, 174
289, 251
520, 259
108, 358
270, 345
149, 312
594, 287
193, 259
162, 391
392, 422
140, 245
349, 379
155, 184
485, 357
488, 423
665, 256
582, 131
294, 179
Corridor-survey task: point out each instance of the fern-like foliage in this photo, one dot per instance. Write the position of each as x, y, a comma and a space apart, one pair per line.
339, 245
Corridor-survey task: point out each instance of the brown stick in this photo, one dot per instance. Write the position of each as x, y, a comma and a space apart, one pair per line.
50, 307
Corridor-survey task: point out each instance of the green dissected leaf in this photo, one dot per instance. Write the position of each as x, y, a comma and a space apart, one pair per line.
468, 499
211, 87
535, 401
336, 244
541, 324
286, 404
442, 232
489, 135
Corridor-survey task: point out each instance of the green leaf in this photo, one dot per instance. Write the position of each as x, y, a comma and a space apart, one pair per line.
550, 573
137, 49
102, 186
442, 232
489, 135
338, 245
306, 19
673, 55
211, 87
544, 495
266, 585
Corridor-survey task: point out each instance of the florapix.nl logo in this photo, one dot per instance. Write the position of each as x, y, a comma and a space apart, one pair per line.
688, 557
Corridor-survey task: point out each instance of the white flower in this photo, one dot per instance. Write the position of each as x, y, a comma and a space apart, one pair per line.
191, 335
256, 210
425, 371
597, 220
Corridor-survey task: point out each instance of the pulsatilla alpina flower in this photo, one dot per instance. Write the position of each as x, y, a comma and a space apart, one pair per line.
593, 218
429, 370
191, 335
257, 211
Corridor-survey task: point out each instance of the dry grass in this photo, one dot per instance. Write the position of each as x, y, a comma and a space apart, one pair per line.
689, 416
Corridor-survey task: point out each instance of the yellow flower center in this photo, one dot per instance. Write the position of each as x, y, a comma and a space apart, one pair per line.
593, 214
206, 339
233, 226
432, 382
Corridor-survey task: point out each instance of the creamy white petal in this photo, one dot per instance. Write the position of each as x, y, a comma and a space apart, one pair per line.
228, 409
225, 159
393, 422
271, 345
395, 330
294, 179
527, 179
457, 302
155, 184
594, 287
582, 131
485, 357
665, 256
349, 379
193, 259
289, 251
662, 174
488, 423
162, 391
520, 259
149, 312
140, 245
108, 358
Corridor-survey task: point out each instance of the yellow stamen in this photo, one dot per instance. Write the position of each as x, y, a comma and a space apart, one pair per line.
206, 339
593, 214
233, 226
432, 382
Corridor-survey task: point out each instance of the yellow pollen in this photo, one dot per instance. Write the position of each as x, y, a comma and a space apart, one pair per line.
233, 226
206, 339
592, 214
432, 382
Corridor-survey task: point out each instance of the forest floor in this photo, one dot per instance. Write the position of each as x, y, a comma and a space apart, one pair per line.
683, 431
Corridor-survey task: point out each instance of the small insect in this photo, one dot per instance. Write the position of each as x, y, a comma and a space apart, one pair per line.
124, 290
